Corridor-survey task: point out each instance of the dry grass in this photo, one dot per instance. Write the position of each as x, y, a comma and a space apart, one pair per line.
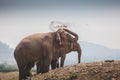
8, 75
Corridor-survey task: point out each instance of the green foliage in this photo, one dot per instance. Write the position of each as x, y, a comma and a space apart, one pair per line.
72, 76
5, 67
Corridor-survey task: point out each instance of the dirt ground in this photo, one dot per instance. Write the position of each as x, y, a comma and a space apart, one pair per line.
106, 70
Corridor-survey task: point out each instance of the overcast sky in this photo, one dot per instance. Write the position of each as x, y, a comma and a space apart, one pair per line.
96, 21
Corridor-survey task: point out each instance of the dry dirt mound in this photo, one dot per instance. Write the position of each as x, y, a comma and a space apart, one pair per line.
108, 70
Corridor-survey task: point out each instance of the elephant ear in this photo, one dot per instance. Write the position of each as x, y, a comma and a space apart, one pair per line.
61, 36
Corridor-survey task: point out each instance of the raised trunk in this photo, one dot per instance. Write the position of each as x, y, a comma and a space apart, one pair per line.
74, 34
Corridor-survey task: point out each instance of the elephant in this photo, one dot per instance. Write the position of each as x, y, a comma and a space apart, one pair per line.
40, 47
74, 46
62, 55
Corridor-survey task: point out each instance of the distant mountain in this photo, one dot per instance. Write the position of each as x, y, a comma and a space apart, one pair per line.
93, 52
6, 53
90, 52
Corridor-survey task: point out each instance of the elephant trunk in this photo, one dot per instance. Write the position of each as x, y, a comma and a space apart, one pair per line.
79, 54
74, 34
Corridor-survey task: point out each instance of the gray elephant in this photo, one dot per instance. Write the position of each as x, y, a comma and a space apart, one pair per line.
40, 47
62, 55
73, 46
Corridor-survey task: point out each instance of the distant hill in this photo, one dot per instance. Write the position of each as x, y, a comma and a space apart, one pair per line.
90, 52
6, 53
97, 52
93, 52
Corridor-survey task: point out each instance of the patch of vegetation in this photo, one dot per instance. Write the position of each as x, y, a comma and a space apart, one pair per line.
72, 76
5, 67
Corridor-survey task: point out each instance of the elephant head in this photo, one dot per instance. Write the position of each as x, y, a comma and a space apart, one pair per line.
65, 37
74, 45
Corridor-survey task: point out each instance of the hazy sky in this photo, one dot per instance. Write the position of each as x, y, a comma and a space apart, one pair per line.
96, 21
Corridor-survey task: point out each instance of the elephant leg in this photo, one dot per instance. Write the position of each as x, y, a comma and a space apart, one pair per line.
39, 70
45, 68
53, 64
21, 75
62, 60
28, 69
21, 72
42, 67
57, 64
